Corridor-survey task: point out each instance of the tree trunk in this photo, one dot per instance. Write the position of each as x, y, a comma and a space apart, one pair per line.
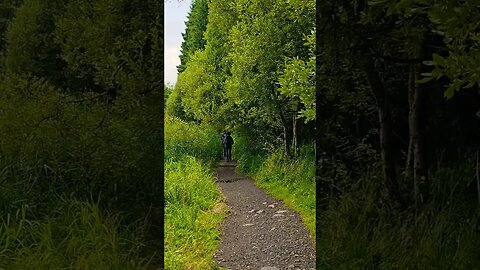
411, 87
286, 136
417, 137
295, 135
381, 97
420, 168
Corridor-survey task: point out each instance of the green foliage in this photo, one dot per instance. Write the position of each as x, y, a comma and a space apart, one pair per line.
193, 38
80, 155
234, 80
183, 138
408, 44
111, 46
193, 213
456, 23
76, 235
298, 81
358, 233
29, 37
193, 207
56, 146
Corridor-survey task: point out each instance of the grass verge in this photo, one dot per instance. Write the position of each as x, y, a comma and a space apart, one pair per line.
289, 180
193, 213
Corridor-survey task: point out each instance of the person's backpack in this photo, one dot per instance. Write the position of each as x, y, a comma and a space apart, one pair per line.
224, 138
229, 140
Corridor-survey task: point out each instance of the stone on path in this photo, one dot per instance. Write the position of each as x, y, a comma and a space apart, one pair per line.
269, 243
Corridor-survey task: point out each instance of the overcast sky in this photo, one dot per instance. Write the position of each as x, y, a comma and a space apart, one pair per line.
175, 16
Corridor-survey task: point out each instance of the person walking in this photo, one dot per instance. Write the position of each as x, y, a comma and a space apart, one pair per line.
224, 140
228, 146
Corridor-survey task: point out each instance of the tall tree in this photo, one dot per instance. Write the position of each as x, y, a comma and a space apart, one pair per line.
193, 38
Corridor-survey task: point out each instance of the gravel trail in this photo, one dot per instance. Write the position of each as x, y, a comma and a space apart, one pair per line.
259, 232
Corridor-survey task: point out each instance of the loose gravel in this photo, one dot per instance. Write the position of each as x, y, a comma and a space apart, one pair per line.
259, 232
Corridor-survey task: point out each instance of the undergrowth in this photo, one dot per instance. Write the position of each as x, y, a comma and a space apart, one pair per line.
76, 235
357, 232
79, 180
193, 204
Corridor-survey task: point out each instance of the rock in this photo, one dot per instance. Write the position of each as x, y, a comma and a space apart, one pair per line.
269, 268
281, 211
264, 203
259, 211
248, 224
271, 205
251, 211
278, 215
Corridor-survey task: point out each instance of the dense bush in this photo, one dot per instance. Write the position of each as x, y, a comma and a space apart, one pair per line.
55, 147
187, 138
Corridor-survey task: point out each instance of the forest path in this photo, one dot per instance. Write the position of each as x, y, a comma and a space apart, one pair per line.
259, 232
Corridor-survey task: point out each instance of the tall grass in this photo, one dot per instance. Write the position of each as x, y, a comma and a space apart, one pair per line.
184, 138
193, 204
76, 235
358, 233
290, 180
85, 177
193, 213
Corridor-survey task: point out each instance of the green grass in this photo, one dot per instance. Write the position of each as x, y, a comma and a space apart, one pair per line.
193, 214
75, 236
289, 180
79, 181
193, 204
358, 233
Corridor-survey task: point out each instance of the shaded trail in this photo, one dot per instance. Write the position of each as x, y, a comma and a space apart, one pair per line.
260, 231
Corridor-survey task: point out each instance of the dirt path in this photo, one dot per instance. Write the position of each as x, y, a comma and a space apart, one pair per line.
260, 232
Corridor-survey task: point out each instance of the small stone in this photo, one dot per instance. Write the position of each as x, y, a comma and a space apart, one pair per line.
259, 211
248, 224
278, 215
271, 206
251, 211
281, 211
273, 229
269, 268
264, 203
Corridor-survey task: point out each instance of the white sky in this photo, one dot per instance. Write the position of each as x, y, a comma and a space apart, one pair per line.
176, 12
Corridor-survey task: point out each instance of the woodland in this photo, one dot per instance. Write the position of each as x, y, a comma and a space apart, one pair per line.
247, 67
81, 134
398, 114
363, 116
